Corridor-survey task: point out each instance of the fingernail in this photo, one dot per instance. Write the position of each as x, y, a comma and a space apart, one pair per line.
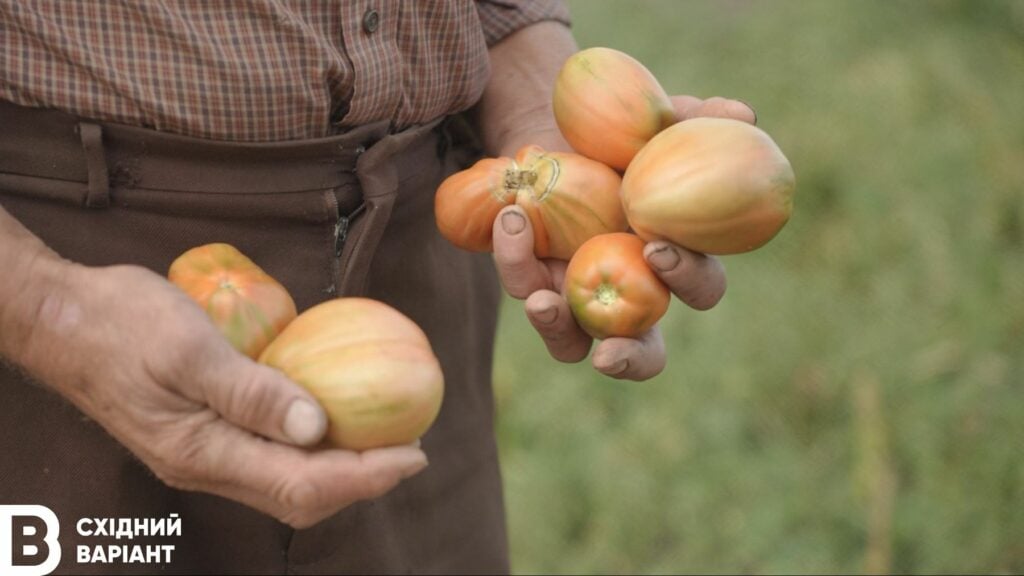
663, 258
617, 367
304, 423
416, 468
512, 223
747, 104
547, 315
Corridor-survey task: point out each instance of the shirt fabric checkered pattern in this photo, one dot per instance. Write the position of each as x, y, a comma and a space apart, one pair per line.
255, 70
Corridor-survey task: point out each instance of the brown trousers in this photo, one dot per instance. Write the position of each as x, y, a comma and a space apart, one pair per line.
344, 215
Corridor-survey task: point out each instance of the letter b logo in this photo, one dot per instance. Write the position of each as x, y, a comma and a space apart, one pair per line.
28, 540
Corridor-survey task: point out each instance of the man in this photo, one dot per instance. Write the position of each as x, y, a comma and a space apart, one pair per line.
311, 137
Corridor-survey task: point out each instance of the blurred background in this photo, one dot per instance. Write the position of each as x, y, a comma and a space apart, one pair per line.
856, 402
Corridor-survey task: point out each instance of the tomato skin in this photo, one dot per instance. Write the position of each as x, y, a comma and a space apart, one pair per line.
567, 197
611, 290
608, 105
247, 305
712, 185
370, 367
573, 199
467, 203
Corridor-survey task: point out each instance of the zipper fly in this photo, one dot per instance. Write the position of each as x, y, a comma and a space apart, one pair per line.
341, 229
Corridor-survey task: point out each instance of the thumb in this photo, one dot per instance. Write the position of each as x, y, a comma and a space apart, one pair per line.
520, 272
258, 398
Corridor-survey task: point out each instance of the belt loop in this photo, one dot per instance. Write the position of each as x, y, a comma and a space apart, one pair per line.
96, 162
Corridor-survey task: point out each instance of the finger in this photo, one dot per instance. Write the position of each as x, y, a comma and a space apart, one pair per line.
685, 106
688, 107
718, 107
696, 279
317, 485
556, 271
631, 359
520, 271
298, 487
550, 315
253, 396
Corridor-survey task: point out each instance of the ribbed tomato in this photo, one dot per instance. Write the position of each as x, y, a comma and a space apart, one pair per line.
248, 306
712, 185
611, 290
608, 105
568, 198
369, 366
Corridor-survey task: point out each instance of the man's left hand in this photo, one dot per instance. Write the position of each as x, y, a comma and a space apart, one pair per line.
698, 280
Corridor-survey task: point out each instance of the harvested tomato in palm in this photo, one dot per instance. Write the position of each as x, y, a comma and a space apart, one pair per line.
568, 198
712, 185
370, 367
248, 306
608, 105
611, 290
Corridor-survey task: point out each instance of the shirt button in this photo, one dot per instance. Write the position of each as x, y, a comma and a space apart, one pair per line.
371, 21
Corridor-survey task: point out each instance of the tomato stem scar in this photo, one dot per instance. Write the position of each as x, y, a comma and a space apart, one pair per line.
606, 294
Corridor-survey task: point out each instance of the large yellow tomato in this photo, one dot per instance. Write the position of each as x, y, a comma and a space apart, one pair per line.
568, 198
608, 105
248, 306
712, 185
369, 366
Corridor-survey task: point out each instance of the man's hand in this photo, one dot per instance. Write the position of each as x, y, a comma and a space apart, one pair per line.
696, 279
136, 355
516, 110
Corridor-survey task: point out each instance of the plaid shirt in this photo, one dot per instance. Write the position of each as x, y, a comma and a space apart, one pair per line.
255, 70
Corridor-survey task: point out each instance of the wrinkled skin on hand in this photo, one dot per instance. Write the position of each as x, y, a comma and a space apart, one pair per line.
516, 110
139, 357
696, 279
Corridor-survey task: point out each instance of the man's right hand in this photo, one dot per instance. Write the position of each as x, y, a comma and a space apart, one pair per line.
135, 354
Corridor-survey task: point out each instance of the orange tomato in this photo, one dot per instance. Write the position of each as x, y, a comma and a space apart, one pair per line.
248, 306
567, 197
608, 105
712, 185
369, 366
611, 290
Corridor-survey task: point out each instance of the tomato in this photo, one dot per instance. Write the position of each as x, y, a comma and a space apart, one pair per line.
608, 105
248, 306
369, 366
467, 202
712, 185
568, 198
611, 290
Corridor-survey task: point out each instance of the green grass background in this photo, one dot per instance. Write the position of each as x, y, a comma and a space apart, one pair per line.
856, 402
